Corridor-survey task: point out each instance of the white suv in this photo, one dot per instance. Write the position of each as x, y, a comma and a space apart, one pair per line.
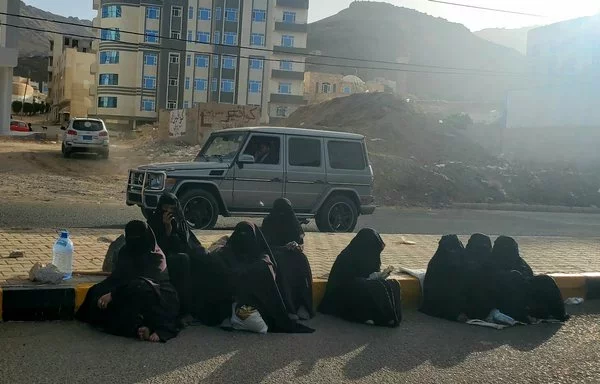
85, 135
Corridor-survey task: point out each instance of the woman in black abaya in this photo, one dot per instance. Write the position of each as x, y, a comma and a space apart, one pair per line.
477, 290
518, 292
184, 252
252, 276
137, 300
444, 284
285, 236
357, 290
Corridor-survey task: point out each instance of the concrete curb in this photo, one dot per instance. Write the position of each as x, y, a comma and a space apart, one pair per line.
46, 303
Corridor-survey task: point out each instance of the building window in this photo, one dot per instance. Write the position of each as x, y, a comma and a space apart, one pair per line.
347, 90
108, 79
326, 88
153, 13
190, 36
227, 85
151, 36
173, 58
281, 111
285, 88
186, 104
200, 84
109, 57
231, 14
289, 17
187, 83
173, 82
176, 35
286, 65
203, 37
217, 37
259, 15
257, 39
228, 62
213, 84
149, 82
346, 155
171, 104
150, 59
111, 11
230, 38
287, 41
204, 14
191, 13
216, 61
202, 61
148, 105
254, 86
110, 34
256, 63
188, 60
218, 12
176, 11
107, 102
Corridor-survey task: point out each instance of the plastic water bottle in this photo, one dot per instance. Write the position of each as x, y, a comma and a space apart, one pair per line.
500, 318
62, 254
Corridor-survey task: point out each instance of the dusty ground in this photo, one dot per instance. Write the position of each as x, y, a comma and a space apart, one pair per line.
36, 171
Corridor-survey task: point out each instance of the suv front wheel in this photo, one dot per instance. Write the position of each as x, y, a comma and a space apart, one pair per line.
200, 208
338, 214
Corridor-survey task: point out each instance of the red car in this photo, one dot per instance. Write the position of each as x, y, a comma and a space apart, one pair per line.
19, 126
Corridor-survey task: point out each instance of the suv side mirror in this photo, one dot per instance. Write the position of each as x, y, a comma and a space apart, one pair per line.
246, 159
63, 128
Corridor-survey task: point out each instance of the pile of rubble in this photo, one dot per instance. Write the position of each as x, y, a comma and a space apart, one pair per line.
419, 161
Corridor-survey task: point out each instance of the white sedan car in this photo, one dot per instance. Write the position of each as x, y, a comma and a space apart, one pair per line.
85, 135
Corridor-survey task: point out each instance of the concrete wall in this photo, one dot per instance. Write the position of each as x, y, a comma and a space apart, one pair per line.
194, 125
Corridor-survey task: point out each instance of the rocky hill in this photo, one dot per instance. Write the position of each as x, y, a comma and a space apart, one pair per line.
374, 30
511, 38
34, 43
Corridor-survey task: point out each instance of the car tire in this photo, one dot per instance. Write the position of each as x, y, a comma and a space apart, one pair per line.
200, 208
338, 214
66, 153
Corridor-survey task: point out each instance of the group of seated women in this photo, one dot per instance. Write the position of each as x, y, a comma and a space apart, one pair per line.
469, 283
164, 279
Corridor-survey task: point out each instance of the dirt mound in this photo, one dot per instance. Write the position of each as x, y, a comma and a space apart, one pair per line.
420, 160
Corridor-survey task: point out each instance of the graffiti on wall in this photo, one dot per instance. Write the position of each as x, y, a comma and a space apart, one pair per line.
177, 123
233, 117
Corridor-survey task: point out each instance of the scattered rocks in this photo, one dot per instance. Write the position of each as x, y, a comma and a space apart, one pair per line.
16, 254
46, 274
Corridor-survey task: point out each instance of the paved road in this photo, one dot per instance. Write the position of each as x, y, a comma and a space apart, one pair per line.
422, 350
386, 220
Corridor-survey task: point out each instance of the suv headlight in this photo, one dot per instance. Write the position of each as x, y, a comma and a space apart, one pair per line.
155, 180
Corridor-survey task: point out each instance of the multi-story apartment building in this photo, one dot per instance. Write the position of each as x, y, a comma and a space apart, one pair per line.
69, 61
185, 52
8, 59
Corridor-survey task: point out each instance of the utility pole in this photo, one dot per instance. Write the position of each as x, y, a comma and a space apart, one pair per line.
25, 92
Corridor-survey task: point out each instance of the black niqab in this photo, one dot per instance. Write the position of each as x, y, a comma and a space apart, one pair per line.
281, 226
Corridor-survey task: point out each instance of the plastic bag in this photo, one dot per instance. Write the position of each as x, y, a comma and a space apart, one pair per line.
245, 318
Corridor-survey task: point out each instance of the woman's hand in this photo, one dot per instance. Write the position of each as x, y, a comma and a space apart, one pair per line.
293, 246
168, 222
104, 301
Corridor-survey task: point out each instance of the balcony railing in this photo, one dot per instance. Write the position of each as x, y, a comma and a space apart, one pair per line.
291, 27
287, 99
287, 75
278, 49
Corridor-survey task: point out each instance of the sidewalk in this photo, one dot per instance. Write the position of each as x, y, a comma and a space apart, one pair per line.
544, 254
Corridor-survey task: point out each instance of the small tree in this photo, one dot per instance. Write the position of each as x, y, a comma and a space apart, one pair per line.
28, 108
17, 106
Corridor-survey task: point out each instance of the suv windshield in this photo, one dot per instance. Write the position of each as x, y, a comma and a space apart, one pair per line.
222, 147
87, 125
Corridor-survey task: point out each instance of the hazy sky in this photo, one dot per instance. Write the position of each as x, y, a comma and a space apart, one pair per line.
553, 10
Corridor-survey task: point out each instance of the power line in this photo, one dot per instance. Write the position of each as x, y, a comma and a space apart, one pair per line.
485, 8
160, 48
258, 49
